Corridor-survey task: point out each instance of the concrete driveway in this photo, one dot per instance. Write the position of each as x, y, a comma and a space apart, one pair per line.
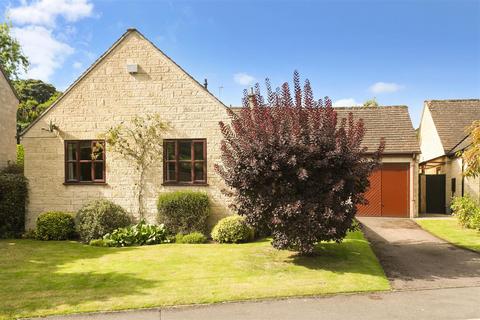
414, 259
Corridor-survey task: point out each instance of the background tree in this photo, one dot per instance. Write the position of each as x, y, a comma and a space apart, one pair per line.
141, 143
35, 97
371, 103
12, 59
292, 169
472, 154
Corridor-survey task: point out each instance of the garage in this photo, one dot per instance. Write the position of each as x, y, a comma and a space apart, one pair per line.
388, 195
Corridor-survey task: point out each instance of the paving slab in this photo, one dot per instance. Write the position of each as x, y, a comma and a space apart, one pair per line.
415, 259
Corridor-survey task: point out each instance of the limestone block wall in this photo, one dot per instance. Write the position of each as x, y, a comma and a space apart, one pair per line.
8, 122
106, 96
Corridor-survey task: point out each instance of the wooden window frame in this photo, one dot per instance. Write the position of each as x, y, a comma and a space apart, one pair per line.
78, 161
177, 162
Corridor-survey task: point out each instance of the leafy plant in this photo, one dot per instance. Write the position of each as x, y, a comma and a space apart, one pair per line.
467, 212
99, 217
13, 197
20, 156
232, 229
472, 154
191, 238
55, 225
137, 235
12, 59
184, 211
292, 169
139, 142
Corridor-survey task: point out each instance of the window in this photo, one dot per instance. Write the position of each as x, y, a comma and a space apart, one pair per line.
453, 186
84, 161
185, 161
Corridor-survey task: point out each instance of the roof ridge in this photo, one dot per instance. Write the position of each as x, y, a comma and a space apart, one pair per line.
452, 100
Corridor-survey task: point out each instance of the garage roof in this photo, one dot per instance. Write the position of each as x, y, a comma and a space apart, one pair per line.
390, 122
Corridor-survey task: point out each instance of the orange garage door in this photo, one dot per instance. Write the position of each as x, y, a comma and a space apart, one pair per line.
388, 195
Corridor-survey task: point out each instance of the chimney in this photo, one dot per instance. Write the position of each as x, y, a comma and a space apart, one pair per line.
205, 83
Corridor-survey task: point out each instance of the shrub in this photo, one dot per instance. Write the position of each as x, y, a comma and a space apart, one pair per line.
20, 155
13, 197
55, 225
100, 243
99, 217
137, 235
13, 168
184, 211
467, 212
194, 237
292, 169
233, 229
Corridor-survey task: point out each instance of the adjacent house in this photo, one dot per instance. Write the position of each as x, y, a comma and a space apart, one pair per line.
8, 120
134, 77
443, 134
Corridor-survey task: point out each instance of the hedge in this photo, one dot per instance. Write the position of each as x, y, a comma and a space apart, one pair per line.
13, 197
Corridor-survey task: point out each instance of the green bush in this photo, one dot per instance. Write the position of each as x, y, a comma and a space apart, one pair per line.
20, 155
55, 225
194, 237
13, 197
12, 168
100, 243
232, 229
467, 212
137, 235
184, 211
99, 217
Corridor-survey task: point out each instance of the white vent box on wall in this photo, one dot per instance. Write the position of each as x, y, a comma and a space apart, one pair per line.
132, 68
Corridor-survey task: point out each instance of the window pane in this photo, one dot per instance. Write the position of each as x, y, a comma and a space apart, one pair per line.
97, 151
71, 151
86, 171
184, 150
171, 171
198, 150
170, 150
85, 150
185, 174
71, 171
98, 170
199, 174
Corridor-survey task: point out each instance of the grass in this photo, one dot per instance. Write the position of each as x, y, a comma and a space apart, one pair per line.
449, 230
44, 278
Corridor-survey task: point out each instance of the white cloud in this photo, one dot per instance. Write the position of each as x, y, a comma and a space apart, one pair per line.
45, 12
46, 54
385, 87
243, 79
77, 65
349, 102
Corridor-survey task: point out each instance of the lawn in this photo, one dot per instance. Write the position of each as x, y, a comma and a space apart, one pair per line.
451, 231
43, 278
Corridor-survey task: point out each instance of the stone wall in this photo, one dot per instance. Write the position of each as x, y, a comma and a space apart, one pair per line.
108, 95
8, 122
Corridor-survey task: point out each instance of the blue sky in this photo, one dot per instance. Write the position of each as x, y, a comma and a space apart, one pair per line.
401, 52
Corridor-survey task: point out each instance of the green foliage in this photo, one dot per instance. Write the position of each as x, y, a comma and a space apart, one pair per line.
471, 155
12, 168
137, 235
100, 243
13, 196
467, 212
20, 155
55, 225
139, 142
184, 211
371, 103
12, 59
35, 97
191, 238
99, 217
233, 229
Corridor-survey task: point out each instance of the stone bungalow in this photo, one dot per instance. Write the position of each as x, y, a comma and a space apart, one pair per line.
443, 134
134, 77
8, 120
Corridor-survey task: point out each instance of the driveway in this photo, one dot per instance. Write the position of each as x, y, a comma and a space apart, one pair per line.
414, 259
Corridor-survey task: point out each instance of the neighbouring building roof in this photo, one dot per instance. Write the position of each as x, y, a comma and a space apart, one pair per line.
390, 122
9, 83
452, 119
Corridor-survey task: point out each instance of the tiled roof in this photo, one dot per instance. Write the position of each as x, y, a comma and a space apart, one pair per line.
452, 118
390, 122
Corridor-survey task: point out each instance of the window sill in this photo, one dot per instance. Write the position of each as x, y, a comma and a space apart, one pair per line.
177, 184
85, 183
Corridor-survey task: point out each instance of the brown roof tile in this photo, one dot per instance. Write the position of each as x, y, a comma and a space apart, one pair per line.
390, 122
452, 118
